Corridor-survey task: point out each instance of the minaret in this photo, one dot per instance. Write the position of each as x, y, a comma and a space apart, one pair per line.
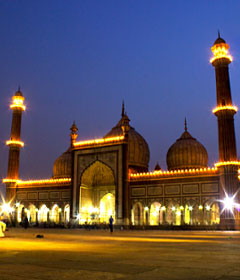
228, 164
15, 144
125, 129
225, 110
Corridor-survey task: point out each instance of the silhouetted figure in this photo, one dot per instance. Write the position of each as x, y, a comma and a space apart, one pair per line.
25, 222
111, 224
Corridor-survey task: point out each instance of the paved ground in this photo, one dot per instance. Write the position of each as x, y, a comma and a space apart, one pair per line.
81, 254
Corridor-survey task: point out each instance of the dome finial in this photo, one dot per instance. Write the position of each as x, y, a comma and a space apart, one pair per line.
123, 108
185, 124
73, 134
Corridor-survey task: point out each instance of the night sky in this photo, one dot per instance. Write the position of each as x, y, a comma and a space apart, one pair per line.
77, 60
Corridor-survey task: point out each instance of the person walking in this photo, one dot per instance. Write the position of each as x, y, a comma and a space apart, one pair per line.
111, 220
2, 228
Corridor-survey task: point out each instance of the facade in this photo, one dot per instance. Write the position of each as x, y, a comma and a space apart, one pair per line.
99, 178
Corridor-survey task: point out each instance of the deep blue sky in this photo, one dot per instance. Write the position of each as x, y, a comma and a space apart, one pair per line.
77, 60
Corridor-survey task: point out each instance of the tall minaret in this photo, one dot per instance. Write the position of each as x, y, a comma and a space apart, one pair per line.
225, 110
228, 164
15, 144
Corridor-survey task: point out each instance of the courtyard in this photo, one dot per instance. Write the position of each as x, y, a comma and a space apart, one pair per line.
96, 254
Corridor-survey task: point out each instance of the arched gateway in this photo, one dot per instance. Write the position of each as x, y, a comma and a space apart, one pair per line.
97, 194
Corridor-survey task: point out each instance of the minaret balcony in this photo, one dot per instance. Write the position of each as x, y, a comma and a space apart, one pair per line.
15, 143
228, 108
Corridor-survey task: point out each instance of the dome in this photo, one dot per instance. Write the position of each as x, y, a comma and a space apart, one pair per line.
219, 40
18, 92
63, 165
186, 153
138, 147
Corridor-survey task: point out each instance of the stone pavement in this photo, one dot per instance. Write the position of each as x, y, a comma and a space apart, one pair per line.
125, 255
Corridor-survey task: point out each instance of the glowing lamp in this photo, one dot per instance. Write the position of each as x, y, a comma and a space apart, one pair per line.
225, 163
163, 208
200, 207
208, 208
173, 208
228, 203
17, 204
154, 214
181, 208
6, 208
146, 208
17, 103
178, 213
90, 209
220, 51
190, 208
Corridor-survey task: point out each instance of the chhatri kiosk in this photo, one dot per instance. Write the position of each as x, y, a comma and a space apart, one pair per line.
95, 179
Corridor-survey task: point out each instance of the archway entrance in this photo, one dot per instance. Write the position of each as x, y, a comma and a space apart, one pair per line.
107, 208
97, 194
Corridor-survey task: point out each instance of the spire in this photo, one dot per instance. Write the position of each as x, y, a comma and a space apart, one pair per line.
73, 134
185, 124
123, 109
157, 167
218, 34
74, 128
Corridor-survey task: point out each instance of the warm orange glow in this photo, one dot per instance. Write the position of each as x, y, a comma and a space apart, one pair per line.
14, 143
220, 51
17, 103
45, 181
221, 108
160, 173
98, 141
223, 163
10, 180
38, 182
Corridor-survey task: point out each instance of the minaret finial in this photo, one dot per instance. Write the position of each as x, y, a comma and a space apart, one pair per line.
185, 124
19, 88
123, 109
218, 33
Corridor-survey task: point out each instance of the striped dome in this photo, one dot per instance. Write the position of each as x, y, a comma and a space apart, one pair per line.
62, 167
186, 153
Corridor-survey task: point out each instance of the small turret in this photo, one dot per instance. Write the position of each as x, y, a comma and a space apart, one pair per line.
73, 134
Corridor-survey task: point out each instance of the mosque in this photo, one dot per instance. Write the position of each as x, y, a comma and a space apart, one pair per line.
95, 179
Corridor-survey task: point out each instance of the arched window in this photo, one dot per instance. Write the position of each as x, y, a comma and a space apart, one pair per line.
55, 214
43, 214
32, 214
215, 213
107, 207
155, 211
137, 214
67, 213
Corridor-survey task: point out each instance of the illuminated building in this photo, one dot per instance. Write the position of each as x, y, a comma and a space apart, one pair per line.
97, 178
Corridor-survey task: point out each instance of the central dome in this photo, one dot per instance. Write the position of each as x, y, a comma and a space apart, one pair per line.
138, 148
186, 153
